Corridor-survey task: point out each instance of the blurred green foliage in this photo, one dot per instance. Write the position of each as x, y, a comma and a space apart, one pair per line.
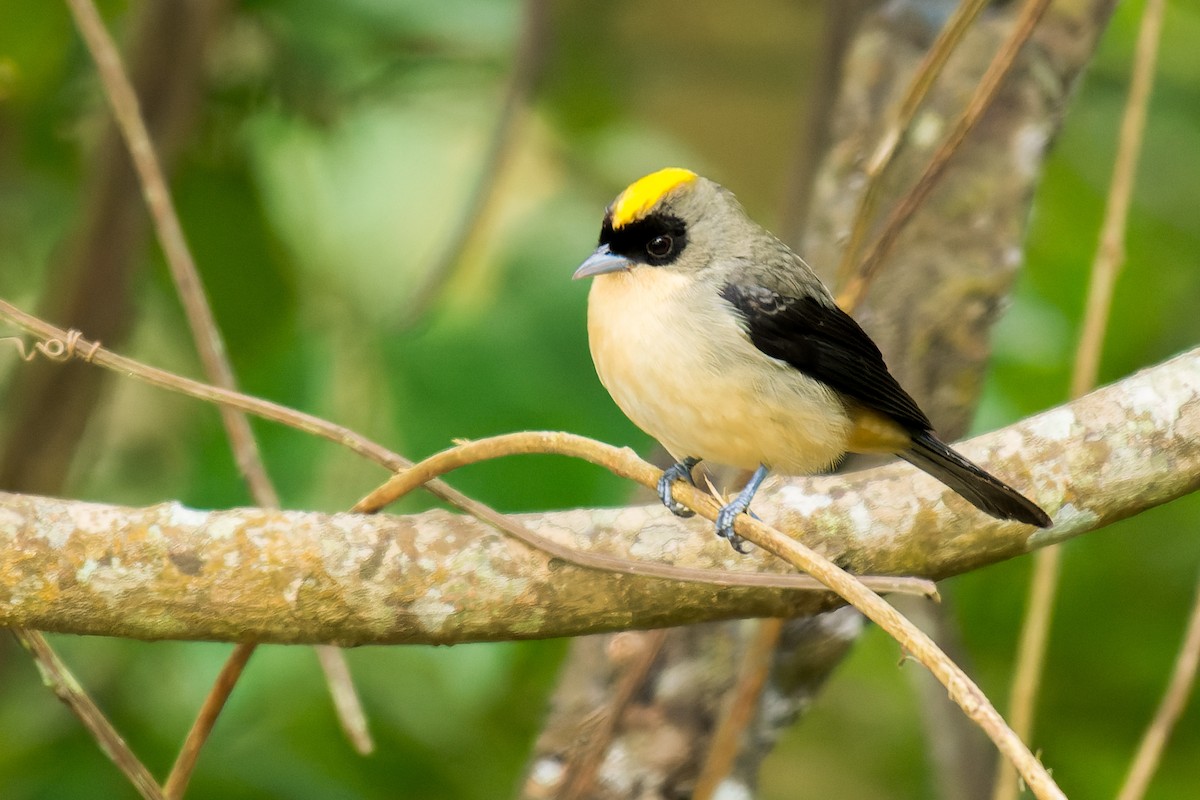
331, 152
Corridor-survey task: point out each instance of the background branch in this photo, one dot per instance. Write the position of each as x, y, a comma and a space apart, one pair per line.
1174, 700
93, 276
91, 281
59, 679
161, 572
1106, 266
522, 80
210, 344
981, 101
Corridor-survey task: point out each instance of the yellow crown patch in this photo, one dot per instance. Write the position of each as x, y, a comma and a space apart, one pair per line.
644, 193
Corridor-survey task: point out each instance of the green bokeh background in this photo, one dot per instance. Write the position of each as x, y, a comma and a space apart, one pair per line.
333, 149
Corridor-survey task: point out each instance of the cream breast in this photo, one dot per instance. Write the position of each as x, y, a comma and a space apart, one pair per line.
673, 356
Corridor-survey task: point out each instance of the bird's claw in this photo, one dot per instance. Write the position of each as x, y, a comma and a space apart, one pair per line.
728, 514
679, 471
725, 519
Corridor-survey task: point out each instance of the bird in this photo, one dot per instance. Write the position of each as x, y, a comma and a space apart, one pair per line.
719, 341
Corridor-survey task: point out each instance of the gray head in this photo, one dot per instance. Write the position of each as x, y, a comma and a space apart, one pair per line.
672, 219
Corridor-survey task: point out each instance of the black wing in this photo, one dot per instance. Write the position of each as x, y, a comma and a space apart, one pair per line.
825, 343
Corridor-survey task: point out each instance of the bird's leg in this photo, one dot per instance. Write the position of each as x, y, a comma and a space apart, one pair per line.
741, 503
680, 470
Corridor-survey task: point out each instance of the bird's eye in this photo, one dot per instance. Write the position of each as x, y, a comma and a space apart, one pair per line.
660, 246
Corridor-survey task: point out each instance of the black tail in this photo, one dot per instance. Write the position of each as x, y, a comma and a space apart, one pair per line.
981, 489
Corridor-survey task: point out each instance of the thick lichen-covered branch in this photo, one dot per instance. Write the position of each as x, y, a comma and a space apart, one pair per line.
287, 576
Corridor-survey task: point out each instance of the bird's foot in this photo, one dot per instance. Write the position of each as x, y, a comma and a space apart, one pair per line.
728, 514
725, 519
681, 470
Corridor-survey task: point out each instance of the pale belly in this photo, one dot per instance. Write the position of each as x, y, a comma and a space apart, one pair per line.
682, 370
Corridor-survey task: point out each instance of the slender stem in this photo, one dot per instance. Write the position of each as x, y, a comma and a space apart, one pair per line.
214, 702
963, 691
62, 345
1031, 659
1183, 679
980, 102
1106, 266
1110, 254
63, 683
621, 461
894, 136
527, 67
90, 282
125, 107
347, 702
580, 770
740, 708
624, 463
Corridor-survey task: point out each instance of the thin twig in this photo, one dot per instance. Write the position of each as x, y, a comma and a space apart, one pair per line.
124, 103
95, 290
424, 473
206, 719
740, 708
897, 130
580, 770
63, 345
527, 67
1106, 266
1183, 678
214, 702
624, 463
1030, 659
126, 110
840, 19
167, 41
346, 701
980, 102
58, 677
1110, 253
90, 283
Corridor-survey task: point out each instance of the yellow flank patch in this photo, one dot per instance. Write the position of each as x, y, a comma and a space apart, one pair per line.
644, 193
875, 433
